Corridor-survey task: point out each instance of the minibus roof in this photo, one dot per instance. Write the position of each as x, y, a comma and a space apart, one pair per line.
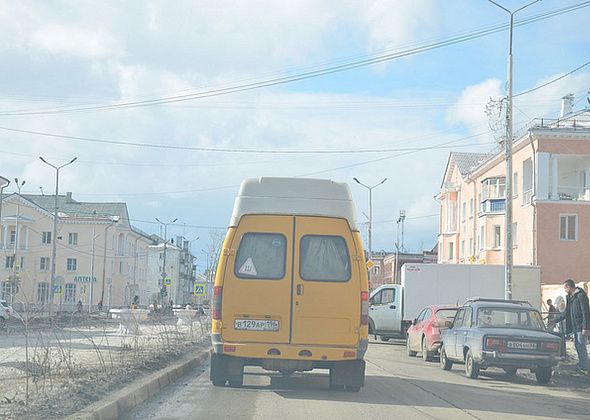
294, 196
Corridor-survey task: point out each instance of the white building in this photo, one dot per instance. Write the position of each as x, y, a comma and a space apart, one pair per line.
179, 271
94, 241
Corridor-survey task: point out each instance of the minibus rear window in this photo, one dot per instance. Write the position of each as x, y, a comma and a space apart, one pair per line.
324, 258
261, 256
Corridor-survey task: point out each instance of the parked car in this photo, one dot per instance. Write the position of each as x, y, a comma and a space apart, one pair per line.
424, 334
6, 312
500, 333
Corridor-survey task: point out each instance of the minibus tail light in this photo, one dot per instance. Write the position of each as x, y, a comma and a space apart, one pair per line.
364, 308
217, 292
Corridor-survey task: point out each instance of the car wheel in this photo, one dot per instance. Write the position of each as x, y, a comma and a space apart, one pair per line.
445, 363
543, 375
409, 351
471, 366
426, 355
383, 338
510, 371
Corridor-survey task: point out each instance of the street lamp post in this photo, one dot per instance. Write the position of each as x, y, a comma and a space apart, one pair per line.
370, 189
54, 234
162, 291
4, 182
14, 278
509, 252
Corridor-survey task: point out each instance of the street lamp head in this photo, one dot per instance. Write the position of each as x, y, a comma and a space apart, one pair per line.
384, 179
158, 220
42, 160
4, 182
73, 160
174, 220
356, 180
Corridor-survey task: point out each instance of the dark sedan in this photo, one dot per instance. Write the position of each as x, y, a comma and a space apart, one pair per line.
500, 333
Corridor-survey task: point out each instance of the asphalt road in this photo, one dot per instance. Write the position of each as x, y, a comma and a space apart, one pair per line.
396, 387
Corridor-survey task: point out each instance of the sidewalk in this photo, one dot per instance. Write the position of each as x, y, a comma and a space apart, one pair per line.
52, 371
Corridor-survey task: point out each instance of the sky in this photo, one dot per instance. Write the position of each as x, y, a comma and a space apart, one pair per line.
74, 72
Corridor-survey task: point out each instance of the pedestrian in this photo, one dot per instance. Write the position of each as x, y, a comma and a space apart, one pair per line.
79, 306
551, 317
577, 321
99, 305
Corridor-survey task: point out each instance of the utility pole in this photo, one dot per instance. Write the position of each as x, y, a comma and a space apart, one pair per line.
54, 234
509, 252
91, 285
163, 289
15, 265
370, 189
398, 245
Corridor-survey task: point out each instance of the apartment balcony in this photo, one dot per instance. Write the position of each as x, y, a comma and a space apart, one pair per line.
492, 206
563, 177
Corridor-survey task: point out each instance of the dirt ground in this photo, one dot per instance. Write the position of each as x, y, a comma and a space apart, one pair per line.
50, 371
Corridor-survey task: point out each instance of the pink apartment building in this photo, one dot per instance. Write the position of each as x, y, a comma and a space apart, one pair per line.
551, 201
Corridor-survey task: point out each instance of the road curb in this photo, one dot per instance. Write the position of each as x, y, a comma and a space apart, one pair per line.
120, 402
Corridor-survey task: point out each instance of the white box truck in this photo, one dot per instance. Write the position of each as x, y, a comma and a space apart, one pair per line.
394, 306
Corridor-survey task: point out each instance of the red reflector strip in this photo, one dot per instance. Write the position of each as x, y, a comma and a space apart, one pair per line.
229, 349
364, 296
349, 354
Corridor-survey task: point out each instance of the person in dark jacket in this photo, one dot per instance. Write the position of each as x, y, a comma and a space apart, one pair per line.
577, 321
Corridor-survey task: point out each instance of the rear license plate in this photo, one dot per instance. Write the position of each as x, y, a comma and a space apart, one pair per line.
521, 345
256, 324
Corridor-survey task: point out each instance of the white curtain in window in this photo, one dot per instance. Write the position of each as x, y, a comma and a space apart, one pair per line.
324, 258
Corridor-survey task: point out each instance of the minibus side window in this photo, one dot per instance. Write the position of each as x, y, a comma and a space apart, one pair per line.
324, 258
261, 256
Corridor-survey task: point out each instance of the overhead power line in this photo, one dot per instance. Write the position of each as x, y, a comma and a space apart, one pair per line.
206, 149
309, 74
563, 76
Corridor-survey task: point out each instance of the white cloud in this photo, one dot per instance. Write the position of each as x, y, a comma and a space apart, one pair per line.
76, 41
398, 23
469, 108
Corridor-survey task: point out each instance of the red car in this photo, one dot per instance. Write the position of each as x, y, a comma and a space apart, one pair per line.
423, 336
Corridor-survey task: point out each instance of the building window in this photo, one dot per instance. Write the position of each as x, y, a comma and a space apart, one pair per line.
471, 246
376, 270
482, 238
471, 207
568, 227
515, 184
6, 290
463, 248
451, 251
9, 262
494, 188
44, 264
45, 237
73, 238
43, 292
514, 234
71, 264
12, 236
70, 293
464, 211
480, 206
497, 236
22, 263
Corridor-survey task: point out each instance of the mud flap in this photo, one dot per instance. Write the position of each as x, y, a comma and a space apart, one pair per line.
349, 374
218, 369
